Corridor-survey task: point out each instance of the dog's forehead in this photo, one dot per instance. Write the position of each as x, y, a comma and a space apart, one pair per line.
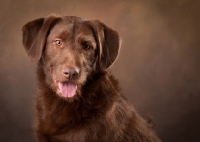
70, 26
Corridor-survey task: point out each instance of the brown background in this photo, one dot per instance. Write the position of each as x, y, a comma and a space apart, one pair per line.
158, 67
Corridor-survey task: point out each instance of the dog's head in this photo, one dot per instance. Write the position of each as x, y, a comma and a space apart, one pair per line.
70, 50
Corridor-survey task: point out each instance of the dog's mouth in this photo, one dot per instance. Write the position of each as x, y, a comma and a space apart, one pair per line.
66, 89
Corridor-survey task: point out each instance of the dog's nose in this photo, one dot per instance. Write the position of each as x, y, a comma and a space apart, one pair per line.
70, 73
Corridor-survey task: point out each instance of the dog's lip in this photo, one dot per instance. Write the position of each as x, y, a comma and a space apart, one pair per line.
64, 82
66, 89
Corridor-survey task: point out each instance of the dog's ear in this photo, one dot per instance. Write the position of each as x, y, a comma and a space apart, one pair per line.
35, 34
108, 42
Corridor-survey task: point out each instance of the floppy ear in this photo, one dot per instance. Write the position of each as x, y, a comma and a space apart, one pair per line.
109, 43
35, 34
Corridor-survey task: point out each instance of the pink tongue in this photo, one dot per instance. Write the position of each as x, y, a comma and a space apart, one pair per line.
67, 90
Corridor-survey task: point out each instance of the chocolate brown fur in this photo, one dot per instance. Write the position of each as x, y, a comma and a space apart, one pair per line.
98, 112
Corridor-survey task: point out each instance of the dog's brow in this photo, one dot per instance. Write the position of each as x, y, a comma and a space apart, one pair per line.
88, 39
64, 35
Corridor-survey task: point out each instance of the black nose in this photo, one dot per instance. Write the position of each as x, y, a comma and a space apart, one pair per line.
70, 73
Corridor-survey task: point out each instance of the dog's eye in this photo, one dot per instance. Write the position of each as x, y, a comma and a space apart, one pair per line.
86, 46
58, 42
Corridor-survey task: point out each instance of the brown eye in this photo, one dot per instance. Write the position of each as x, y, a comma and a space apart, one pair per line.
58, 42
86, 46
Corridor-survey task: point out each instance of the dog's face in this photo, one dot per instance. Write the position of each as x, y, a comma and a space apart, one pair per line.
70, 50
70, 56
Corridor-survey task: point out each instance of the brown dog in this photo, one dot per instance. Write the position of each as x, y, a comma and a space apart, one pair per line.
78, 99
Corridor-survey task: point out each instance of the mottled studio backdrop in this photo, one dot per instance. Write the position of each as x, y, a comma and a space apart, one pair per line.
158, 67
